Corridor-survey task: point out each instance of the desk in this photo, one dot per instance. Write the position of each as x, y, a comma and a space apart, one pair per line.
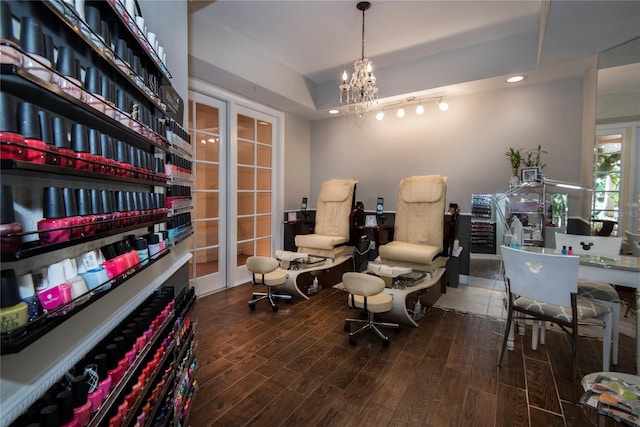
622, 270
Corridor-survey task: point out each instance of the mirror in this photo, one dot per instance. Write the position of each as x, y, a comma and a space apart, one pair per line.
617, 145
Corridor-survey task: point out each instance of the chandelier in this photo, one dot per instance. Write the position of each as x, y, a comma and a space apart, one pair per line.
361, 92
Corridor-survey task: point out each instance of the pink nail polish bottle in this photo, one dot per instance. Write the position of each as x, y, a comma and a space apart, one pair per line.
64, 400
13, 146
71, 212
115, 370
62, 142
9, 241
105, 383
95, 393
81, 404
29, 128
80, 145
52, 227
46, 135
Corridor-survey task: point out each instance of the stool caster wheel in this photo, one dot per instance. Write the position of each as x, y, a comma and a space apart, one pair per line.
347, 326
385, 342
252, 306
352, 340
274, 308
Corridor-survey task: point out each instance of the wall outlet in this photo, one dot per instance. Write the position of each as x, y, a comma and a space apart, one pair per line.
372, 245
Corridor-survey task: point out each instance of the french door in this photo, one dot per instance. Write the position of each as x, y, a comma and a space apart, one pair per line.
237, 152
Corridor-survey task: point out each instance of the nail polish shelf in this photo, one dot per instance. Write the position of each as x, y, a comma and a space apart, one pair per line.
30, 249
21, 83
66, 12
103, 413
23, 337
159, 179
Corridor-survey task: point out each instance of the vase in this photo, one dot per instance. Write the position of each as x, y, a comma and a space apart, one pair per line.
514, 181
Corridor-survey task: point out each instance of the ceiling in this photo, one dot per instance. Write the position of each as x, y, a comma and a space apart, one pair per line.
418, 48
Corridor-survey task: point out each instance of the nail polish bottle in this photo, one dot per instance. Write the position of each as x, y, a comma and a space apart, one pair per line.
46, 136
9, 52
95, 148
10, 240
62, 143
64, 401
130, 341
51, 227
29, 127
13, 145
140, 245
123, 104
68, 76
58, 292
94, 274
122, 156
79, 288
123, 362
570, 250
154, 246
105, 383
94, 392
564, 250
49, 416
80, 145
32, 42
71, 212
134, 159
121, 58
92, 15
108, 153
114, 369
108, 94
29, 297
81, 404
83, 201
101, 223
115, 419
93, 87
13, 311
109, 209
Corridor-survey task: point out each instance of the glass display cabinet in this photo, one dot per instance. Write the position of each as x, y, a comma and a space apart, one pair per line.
541, 207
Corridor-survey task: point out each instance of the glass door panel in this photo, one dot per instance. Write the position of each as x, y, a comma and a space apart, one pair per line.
208, 131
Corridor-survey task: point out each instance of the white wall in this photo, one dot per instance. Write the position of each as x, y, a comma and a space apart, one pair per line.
467, 143
297, 158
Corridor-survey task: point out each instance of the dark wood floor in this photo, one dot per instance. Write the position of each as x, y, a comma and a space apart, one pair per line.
296, 368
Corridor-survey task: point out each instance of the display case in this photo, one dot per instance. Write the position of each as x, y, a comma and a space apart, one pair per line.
90, 147
540, 206
483, 224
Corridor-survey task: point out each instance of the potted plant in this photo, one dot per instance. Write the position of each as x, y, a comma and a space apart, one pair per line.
533, 157
515, 158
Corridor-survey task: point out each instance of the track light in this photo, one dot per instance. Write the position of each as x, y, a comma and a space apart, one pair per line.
443, 105
400, 112
419, 110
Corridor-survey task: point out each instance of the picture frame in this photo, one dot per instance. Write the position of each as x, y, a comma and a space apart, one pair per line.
529, 174
292, 216
371, 221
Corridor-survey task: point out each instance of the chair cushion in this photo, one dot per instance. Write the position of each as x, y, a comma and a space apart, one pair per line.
336, 190
379, 303
275, 278
318, 241
597, 290
587, 308
422, 189
409, 252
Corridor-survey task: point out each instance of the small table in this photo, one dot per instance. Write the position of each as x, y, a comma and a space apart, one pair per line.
590, 399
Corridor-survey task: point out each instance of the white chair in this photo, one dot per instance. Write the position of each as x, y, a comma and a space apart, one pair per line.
332, 227
264, 271
366, 291
634, 242
603, 292
545, 286
418, 230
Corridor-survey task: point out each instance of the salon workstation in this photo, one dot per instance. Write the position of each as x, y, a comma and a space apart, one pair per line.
319, 213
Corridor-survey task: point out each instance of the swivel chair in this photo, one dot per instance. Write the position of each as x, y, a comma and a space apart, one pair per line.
367, 292
418, 230
333, 222
264, 271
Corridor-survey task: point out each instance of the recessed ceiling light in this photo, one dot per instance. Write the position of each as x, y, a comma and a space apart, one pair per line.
334, 111
515, 79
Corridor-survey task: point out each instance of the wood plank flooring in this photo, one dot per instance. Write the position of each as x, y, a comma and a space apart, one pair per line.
296, 368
